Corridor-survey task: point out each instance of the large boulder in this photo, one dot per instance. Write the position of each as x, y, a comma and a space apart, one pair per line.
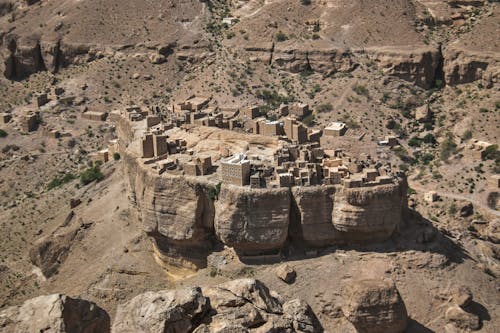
163, 311
462, 319
55, 314
247, 305
375, 306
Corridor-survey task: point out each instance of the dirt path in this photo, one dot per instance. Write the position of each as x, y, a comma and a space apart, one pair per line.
450, 195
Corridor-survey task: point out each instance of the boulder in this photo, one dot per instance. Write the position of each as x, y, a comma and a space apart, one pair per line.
247, 305
163, 311
423, 113
55, 314
375, 306
302, 317
286, 273
157, 59
466, 210
461, 318
462, 296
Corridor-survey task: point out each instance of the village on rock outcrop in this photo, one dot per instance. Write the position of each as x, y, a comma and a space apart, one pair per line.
249, 166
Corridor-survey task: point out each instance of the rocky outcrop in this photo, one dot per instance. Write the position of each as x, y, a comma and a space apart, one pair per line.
175, 212
368, 213
417, 65
163, 311
375, 306
244, 305
252, 220
49, 252
463, 66
257, 221
312, 215
55, 314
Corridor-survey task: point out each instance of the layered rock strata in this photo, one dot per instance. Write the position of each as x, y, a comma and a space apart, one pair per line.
184, 221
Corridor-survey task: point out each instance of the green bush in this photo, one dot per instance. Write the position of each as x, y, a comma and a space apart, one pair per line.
414, 142
91, 174
281, 37
429, 139
361, 90
491, 153
326, 107
116, 156
213, 192
59, 181
448, 148
3, 134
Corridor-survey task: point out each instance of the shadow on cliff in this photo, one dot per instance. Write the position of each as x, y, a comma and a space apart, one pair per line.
416, 233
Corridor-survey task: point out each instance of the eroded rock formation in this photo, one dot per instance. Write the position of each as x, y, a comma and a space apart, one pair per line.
244, 305
55, 314
252, 220
369, 213
375, 306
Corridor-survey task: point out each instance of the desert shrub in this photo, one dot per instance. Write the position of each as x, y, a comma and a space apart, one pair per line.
448, 148
3, 134
213, 192
281, 37
467, 135
414, 142
429, 139
116, 156
453, 209
325, 107
305, 2
91, 174
308, 120
361, 90
59, 181
491, 153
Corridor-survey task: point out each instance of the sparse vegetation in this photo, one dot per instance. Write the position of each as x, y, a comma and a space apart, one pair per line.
281, 37
325, 107
214, 191
448, 148
60, 180
91, 174
3, 133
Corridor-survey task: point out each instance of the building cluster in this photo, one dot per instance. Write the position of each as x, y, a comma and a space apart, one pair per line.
300, 159
304, 165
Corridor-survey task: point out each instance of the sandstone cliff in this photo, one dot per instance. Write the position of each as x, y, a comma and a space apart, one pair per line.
463, 66
174, 211
252, 219
368, 213
311, 221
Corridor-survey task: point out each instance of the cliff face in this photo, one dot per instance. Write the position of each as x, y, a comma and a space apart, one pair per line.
461, 66
312, 219
174, 211
252, 220
414, 65
368, 213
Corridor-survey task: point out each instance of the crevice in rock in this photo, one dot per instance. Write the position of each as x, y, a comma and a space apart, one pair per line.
439, 80
271, 55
